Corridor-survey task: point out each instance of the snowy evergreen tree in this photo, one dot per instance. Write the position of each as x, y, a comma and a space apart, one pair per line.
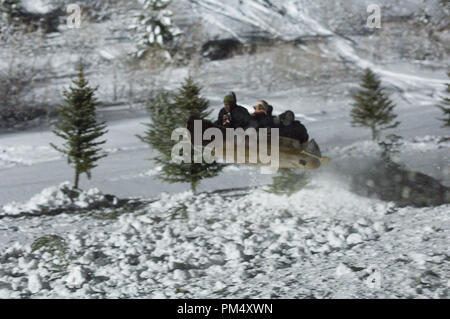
10, 12
153, 26
372, 107
171, 111
10, 9
288, 182
445, 106
79, 127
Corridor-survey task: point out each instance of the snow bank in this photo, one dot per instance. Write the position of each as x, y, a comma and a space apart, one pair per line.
322, 242
51, 198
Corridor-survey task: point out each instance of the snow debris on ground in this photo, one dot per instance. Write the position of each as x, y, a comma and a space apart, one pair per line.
57, 197
322, 242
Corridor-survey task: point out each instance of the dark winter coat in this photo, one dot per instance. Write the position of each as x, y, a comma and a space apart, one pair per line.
296, 131
261, 120
240, 117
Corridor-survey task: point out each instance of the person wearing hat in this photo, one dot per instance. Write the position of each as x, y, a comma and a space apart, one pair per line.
233, 115
291, 128
262, 116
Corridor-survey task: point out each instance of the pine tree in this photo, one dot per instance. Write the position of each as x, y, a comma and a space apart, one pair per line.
10, 13
10, 10
372, 107
445, 107
288, 182
171, 111
79, 127
153, 26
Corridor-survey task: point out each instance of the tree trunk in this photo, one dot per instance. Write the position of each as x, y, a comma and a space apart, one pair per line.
374, 133
77, 178
194, 187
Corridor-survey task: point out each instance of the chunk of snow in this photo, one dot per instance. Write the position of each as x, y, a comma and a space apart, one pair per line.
76, 277
354, 239
34, 282
343, 270
420, 258
334, 240
232, 251
179, 275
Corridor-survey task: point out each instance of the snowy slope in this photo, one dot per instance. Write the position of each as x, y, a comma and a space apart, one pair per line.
293, 19
332, 45
322, 242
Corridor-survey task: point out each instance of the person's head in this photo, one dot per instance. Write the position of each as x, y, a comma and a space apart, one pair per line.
287, 118
262, 106
229, 101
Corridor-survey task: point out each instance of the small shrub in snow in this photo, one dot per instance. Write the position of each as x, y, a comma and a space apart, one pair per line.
288, 182
53, 251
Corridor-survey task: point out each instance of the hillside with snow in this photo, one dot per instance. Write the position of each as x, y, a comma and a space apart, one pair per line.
357, 228
299, 54
324, 241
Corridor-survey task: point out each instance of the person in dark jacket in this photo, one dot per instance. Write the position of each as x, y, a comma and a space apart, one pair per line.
262, 117
289, 127
233, 115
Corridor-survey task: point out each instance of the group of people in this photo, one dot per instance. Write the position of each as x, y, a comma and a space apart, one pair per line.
235, 116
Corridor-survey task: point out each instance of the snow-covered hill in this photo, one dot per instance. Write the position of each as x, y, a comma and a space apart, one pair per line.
322, 242
302, 54
294, 19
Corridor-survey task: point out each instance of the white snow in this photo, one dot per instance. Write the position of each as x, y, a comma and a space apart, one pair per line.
37, 6
11, 155
343, 271
75, 277
34, 282
258, 245
54, 197
354, 239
